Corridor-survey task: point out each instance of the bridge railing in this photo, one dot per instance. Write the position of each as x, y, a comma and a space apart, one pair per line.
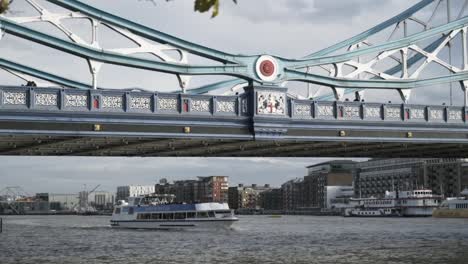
116, 101
361, 111
110, 101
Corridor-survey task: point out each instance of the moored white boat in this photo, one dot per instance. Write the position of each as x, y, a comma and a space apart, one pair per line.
142, 213
396, 203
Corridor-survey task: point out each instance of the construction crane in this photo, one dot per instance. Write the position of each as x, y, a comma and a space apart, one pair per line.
9, 197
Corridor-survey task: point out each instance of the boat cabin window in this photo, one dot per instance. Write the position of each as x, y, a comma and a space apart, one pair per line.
191, 215
156, 216
202, 214
223, 212
168, 216
130, 210
117, 210
144, 216
179, 216
211, 214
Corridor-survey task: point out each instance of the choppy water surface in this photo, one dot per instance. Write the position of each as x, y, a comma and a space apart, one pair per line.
254, 239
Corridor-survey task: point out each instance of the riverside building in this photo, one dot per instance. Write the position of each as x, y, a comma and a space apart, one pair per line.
327, 181
271, 200
446, 177
202, 190
246, 197
103, 200
123, 192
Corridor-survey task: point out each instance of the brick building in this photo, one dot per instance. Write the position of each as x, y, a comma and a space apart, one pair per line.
202, 190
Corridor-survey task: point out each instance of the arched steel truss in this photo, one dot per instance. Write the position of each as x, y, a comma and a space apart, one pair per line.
410, 54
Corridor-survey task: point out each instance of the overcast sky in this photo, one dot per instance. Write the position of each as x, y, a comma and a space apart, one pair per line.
68, 174
289, 28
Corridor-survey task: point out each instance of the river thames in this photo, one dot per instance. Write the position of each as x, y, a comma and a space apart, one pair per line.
254, 239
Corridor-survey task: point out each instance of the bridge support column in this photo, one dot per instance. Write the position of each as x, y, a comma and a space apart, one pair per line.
464, 85
272, 103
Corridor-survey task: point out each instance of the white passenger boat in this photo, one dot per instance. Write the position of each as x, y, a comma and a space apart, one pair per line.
145, 213
396, 203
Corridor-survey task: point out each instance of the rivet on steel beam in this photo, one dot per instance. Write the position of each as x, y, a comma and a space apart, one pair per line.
187, 130
409, 134
97, 127
342, 133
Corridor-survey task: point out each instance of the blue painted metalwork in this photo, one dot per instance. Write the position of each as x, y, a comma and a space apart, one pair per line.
245, 67
215, 86
356, 39
69, 112
215, 107
242, 70
411, 61
146, 32
115, 58
7, 64
389, 46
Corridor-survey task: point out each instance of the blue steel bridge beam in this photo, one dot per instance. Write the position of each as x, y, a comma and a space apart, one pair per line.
389, 46
395, 21
241, 71
244, 69
295, 75
411, 61
69, 83
146, 32
24, 32
10, 65
344, 44
363, 36
351, 41
212, 53
115, 58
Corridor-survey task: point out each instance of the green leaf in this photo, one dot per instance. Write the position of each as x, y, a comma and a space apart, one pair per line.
4, 4
203, 6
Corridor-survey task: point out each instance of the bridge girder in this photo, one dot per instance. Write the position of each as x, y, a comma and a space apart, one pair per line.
49, 121
249, 68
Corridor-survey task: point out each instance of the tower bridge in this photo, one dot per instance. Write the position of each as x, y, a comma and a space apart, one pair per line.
259, 116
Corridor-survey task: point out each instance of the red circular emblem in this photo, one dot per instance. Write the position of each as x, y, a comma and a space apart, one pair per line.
267, 68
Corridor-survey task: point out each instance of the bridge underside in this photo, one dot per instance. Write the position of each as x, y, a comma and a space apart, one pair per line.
40, 145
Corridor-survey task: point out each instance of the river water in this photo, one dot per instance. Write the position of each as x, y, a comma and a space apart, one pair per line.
254, 239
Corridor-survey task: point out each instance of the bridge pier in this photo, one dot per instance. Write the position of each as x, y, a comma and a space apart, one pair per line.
268, 107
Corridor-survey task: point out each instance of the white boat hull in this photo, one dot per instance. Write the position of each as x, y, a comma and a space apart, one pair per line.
165, 225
